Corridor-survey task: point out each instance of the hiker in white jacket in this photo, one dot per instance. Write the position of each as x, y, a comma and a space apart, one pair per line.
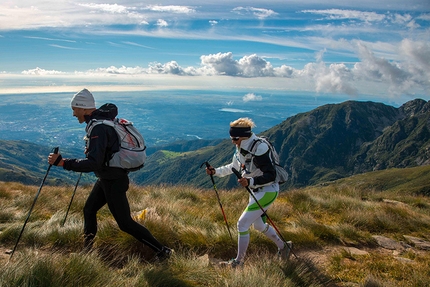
258, 174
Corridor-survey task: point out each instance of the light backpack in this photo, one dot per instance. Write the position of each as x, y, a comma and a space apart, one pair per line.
132, 152
281, 173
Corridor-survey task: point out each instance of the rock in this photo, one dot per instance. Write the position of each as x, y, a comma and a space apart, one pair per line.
355, 251
418, 242
404, 260
388, 243
204, 259
394, 202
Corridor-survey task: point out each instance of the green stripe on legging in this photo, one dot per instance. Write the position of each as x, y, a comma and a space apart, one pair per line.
267, 199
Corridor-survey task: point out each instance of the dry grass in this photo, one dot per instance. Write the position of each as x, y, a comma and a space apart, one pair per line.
321, 220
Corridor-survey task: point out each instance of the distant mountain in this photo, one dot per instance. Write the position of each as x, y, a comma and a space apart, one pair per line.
330, 142
21, 161
327, 143
183, 146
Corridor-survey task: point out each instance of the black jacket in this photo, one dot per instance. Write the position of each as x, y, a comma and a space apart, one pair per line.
103, 143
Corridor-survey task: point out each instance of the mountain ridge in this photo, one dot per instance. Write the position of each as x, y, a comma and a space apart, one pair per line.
330, 142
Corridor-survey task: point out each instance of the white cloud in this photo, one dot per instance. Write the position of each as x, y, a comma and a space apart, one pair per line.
41, 72
168, 68
251, 97
418, 53
398, 18
110, 8
136, 44
284, 71
260, 13
406, 76
162, 23
118, 71
254, 66
221, 63
336, 78
425, 17
63, 47
348, 14
399, 77
171, 9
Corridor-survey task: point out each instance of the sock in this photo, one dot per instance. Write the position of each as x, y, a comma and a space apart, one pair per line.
271, 233
242, 246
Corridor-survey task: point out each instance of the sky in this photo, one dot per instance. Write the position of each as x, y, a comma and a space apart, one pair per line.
360, 49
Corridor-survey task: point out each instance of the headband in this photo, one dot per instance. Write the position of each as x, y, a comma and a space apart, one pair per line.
240, 132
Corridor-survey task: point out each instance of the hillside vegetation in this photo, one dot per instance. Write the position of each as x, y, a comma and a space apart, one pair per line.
328, 143
335, 226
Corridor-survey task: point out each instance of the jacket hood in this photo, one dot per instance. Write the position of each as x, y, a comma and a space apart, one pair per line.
106, 112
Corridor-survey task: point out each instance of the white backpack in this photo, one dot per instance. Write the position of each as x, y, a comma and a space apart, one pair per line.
132, 152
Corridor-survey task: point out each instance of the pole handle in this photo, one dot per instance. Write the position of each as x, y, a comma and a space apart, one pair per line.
56, 149
205, 163
236, 172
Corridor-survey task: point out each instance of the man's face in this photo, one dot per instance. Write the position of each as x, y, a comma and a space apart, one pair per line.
79, 113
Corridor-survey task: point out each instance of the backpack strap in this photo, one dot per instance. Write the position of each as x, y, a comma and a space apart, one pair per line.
269, 145
254, 143
95, 122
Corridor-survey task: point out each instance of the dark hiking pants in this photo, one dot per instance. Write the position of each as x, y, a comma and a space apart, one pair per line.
113, 192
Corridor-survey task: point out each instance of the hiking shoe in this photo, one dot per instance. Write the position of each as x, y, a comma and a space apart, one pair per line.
232, 263
285, 252
164, 254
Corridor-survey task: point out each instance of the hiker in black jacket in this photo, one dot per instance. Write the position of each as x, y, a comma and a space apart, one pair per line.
112, 182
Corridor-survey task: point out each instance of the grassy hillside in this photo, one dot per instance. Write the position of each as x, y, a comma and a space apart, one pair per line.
333, 226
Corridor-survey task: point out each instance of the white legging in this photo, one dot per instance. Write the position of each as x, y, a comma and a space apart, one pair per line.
253, 215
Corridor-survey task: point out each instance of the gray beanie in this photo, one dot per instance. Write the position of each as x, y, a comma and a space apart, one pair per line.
84, 100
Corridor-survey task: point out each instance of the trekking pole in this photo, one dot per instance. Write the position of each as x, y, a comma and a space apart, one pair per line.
71, 200
237, 173
31, 208
219, 200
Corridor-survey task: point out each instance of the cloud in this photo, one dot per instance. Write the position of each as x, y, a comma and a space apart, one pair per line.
42, 72
407, 75
251, 97
417, 53
247, 66
425, 17
110, 8
50, 39
221, 63
401, 77
254, 66
260, 13
137, 45
171, 9
63, 47
348, 14
168, 68
162, 23
123, 70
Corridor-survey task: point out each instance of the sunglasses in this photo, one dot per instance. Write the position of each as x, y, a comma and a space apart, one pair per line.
235, 139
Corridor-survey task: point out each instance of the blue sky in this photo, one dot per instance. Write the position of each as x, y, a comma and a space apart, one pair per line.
354, 48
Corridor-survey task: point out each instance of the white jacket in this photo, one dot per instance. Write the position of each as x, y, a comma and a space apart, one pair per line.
251, 170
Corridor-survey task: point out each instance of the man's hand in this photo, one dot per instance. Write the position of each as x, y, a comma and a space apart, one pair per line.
55, 159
